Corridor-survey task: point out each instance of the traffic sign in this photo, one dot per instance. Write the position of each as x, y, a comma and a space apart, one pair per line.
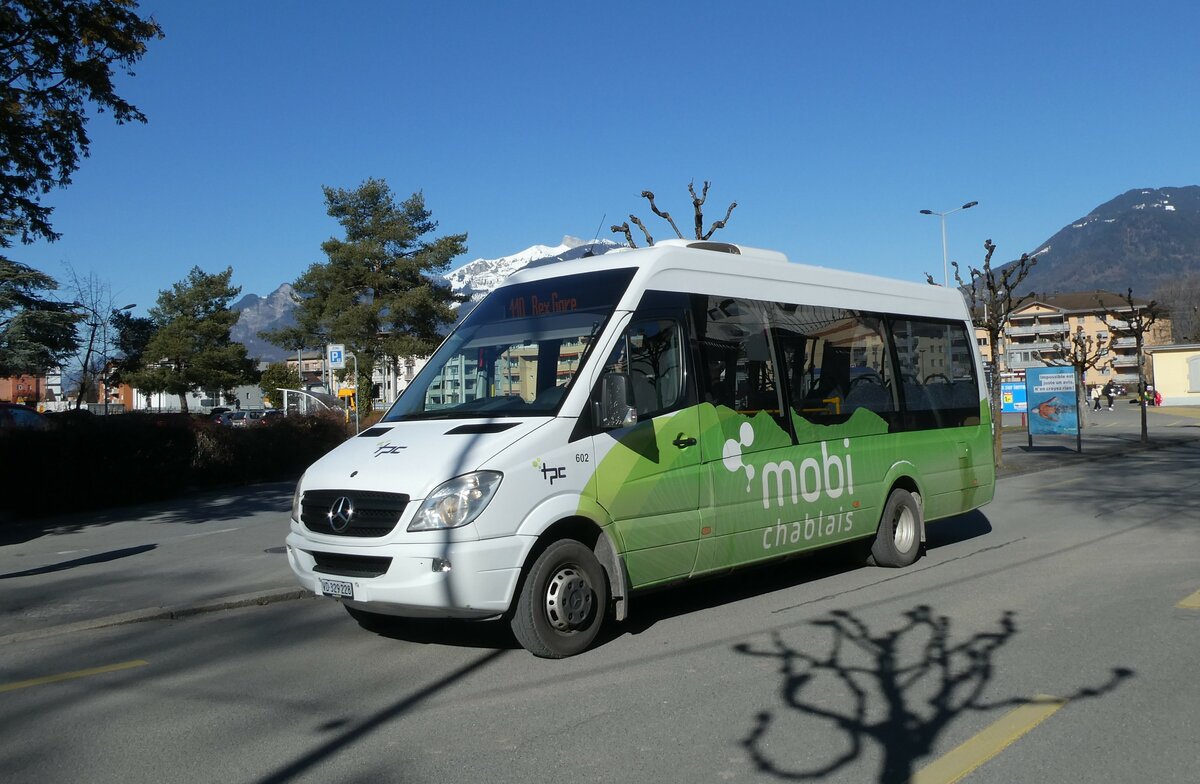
337, 356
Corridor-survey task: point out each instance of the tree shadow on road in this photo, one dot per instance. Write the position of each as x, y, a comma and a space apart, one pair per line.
900, 690
204, 507
111, 555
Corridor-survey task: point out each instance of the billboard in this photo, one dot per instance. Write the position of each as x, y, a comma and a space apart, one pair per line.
1050, 397
1012, 397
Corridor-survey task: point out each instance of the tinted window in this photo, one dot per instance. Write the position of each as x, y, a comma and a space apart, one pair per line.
836, 361
737, 356
937, 373
651, 353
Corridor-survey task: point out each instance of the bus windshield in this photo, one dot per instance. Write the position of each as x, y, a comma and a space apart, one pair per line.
517, 353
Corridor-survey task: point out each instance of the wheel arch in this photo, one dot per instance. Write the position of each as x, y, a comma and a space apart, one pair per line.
597, 537
902, 475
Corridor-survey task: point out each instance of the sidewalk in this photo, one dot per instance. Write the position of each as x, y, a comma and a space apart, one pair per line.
1105, 433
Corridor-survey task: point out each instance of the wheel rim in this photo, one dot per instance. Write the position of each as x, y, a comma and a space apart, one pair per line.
568, 599
904, 529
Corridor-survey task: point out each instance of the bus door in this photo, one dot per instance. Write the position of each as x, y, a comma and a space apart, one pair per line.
747, 436
949, 443
649, 473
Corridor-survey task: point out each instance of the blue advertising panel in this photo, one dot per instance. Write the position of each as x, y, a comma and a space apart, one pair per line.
1012, 397
1050, 395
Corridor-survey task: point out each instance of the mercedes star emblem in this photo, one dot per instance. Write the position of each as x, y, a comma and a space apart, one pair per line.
340, 514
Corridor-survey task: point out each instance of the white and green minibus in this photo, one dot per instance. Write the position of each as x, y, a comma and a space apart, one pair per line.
598, 427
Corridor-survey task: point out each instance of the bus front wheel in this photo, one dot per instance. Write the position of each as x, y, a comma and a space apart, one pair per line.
562, 603
898, 540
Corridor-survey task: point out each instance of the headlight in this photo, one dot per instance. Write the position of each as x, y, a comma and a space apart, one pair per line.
457, 502
296, 495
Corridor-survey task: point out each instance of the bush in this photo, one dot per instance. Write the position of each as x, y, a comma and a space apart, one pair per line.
89, 462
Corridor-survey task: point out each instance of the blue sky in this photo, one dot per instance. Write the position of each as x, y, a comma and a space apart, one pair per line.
831, 125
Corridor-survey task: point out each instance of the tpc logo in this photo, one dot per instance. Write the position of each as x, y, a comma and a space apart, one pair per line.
550, 474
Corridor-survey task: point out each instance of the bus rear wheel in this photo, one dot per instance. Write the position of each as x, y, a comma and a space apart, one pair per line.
562, 603
898, 540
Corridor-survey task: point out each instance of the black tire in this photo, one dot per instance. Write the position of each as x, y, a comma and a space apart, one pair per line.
562, 603
372, 622
898, 539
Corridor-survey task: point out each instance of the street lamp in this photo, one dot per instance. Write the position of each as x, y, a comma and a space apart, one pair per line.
945, 255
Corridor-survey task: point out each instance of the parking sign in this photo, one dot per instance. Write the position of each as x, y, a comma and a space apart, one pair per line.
337, 356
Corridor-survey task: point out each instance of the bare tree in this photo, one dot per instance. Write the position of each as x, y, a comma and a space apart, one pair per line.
1081, 352
992, 300
94, 298
697, 209
1133, 319
1181, 299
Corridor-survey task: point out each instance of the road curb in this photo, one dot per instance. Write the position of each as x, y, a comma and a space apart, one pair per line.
270, 596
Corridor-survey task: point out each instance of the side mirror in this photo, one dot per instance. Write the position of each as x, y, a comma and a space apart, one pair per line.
615, 407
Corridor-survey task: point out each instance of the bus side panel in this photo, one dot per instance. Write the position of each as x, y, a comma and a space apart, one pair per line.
651, 490
788, 499
955, 467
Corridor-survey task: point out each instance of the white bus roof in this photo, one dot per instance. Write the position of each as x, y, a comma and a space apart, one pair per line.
722, 269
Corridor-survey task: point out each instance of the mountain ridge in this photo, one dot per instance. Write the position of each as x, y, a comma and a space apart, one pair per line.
473, 279
1144, 239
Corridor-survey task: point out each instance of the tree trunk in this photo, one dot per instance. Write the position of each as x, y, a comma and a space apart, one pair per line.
183, 403
997, 415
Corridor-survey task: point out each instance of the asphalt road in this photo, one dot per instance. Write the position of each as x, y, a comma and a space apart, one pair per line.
1076, 583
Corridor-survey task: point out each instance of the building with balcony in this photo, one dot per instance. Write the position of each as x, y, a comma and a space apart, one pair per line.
1043, 325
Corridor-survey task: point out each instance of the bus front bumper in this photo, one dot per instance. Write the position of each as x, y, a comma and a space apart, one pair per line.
474, 579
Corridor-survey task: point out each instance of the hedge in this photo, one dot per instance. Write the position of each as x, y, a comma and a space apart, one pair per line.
89, 462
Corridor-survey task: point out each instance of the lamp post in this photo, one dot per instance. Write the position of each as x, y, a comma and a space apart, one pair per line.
945, 255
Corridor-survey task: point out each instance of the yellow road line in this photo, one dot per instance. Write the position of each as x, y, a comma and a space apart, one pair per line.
1191, 603
1007, 730
67, 676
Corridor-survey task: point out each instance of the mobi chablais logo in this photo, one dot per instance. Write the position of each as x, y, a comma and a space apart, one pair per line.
831, 475
827, 474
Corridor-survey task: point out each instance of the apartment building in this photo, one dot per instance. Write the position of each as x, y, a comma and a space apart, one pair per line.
1043, 324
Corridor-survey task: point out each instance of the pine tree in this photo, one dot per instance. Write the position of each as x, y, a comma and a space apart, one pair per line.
191, 349
378, 293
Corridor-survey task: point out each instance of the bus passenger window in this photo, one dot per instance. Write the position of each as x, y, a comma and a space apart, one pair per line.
737, 357
937, 372
836, 362
651, 355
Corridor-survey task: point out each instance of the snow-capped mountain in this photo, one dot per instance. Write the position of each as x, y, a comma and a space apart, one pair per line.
1146, 239
258, 314
476, 278
473, 279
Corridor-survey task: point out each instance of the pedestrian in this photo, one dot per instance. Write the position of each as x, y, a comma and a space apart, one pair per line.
1096, 397
1108, 393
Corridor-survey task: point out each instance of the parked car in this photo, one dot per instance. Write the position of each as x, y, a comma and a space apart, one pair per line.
237, 418
271, 415
15, 416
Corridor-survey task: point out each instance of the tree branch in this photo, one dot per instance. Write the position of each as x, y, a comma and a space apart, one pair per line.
638, 222
717, 224
624, 229
649, 196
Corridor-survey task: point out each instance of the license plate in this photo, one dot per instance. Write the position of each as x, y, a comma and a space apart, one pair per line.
339, 588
